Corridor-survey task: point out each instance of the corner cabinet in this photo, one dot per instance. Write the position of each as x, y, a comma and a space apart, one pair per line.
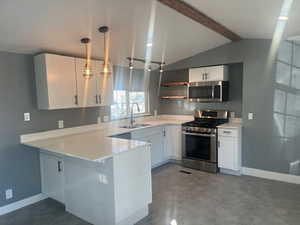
155, 136
60, 84
165, 142
229, 150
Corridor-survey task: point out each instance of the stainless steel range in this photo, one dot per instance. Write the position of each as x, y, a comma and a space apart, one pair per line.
200, 138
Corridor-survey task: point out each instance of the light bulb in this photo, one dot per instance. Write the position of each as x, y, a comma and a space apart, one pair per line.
87, 72
130, 65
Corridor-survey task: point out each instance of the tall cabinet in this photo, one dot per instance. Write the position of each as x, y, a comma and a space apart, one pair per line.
60, 83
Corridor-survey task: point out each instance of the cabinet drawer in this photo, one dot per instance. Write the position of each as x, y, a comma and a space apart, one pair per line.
227, 132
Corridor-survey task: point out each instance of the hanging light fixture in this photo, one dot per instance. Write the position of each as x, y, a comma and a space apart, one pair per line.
161, 68
87, 68
130, 65
106, 66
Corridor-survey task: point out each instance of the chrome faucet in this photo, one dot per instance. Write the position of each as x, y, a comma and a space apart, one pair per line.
131, 114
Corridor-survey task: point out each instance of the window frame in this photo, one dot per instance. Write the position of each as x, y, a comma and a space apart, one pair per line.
128, 106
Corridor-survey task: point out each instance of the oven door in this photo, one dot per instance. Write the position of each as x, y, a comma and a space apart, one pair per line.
199, 146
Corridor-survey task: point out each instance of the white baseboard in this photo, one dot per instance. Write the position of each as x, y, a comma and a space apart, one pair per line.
22, 203
271, 175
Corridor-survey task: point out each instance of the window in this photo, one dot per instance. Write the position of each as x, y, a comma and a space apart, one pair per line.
123, 101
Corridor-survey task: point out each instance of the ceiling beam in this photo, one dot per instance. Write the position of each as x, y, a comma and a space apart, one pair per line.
194, 14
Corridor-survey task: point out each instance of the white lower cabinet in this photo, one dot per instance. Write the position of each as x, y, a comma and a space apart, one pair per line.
173, 142
155, 136
165, 142
52, 176
229, 150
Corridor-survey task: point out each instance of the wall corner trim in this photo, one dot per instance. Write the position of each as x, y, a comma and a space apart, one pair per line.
271, 175
22, 203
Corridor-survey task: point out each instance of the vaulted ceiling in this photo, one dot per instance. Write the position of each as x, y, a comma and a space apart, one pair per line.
34, 26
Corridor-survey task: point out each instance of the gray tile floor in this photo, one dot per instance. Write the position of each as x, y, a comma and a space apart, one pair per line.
193, 199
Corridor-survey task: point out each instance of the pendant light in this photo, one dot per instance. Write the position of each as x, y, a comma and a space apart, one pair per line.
161, 68
87, 68
106, 66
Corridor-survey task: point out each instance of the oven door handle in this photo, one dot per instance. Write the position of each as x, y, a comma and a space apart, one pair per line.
197, 134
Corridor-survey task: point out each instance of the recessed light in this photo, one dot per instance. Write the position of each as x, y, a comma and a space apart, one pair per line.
283, 18
149, 44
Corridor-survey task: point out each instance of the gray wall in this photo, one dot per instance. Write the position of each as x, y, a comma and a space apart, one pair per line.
19, 165
185, 107
270, 141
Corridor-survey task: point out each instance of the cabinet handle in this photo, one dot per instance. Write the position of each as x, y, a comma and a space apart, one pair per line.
227, 132
96, 99
59, 166
203, 76
100, 100
206, 76
76, 99
164, 132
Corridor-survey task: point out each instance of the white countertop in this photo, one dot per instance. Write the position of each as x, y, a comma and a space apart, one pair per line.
94, 143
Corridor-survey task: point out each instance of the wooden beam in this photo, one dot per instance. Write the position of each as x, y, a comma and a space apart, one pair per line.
194, 14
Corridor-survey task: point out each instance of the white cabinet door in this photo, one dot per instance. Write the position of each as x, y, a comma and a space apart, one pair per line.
197, 74
216, 73
104, 83
173, 144
157, 149
155, 136
52, 176
55, 81
86, 87
228, 153
212, 73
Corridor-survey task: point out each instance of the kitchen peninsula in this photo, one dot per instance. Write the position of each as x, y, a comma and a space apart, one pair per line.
100, 179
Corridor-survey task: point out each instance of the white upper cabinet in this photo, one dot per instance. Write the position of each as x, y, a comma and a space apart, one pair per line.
212, 73
60, 83
86, 87
55, 81
104, 83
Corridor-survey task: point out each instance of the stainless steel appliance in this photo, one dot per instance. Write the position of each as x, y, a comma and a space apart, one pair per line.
208, 91
200, 138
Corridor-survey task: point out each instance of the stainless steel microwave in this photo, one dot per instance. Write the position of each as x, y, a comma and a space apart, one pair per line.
208, 91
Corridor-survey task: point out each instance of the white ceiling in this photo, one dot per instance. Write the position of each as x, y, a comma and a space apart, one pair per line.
34, 26
250, 19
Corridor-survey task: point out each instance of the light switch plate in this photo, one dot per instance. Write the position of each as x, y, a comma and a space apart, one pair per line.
60, 124
250, 116
26, 116
99, 120
8, 194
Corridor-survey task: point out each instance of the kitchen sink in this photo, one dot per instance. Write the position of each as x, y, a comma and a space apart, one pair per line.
137, 125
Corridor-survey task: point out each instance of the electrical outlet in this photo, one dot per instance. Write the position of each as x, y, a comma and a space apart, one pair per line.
60, 124
105, 118
232, 114
8, 194
250, 116
27, 116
